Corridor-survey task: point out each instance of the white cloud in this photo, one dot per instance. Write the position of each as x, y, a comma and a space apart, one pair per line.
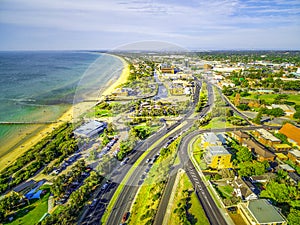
165, 19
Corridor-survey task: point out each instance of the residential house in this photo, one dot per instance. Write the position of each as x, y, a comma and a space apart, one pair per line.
281, 147
243, 190
217, 157
260, 212
292, 132
294, 156
262, 178
286, 167
261, 153
240, 136
294, 177
281, 156
266, 137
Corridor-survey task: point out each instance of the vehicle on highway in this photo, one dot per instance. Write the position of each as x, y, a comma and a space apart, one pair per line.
124, 161
125, 217
104, 186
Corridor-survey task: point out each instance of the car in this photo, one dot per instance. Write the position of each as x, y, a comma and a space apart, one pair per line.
125, 217
104, 186
148, 160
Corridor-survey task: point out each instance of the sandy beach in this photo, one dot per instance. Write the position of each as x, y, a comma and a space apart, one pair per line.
68, 116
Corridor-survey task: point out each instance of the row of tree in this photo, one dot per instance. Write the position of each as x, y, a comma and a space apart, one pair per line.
60, 144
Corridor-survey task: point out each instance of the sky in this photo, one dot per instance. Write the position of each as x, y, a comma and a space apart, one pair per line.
115, 24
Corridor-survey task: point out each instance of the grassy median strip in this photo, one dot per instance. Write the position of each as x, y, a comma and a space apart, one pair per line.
148, 198
186, 207
128, 175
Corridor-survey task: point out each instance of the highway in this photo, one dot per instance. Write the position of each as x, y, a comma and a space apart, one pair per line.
93, 215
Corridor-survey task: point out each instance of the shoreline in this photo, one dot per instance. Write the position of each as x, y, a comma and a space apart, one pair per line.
67, 116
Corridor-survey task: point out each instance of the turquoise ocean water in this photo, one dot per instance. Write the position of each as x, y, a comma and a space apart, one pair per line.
41, 85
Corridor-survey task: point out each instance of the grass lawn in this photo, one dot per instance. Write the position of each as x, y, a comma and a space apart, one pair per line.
226, 191
196, 146
270, 97
216, 123
32, 213
195, 211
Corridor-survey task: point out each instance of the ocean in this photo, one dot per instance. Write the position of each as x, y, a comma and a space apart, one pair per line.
39, 86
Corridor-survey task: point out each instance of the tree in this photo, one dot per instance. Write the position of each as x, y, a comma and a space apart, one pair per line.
297, 115
258, 118
243, 154
294, 216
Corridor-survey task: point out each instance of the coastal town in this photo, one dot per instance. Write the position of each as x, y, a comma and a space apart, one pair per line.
183, 138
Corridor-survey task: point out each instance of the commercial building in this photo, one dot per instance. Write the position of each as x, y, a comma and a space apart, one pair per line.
90, 129
217, 157
260, 212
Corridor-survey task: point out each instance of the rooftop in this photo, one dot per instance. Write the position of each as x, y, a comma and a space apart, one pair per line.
91, 128
267, 135
217, 150
286, 167
264, 212
295, 153
210, 137
258, 150
291, 131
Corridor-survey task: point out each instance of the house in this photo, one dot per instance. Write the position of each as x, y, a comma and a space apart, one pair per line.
260, 212
281, 156
281, 147
261, 153
266, 138
243, 190
262, 178
240, 136
287, 168
217, 157
294, 177
294, 156
210, 139
292, 132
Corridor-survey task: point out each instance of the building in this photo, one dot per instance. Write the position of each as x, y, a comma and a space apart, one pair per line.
210, 139
260, 212
240, 136
292, 132
281, 147
266, 137
281, 156
262, 178
217, 157
286, 167
294, 156
259, 152
244, 190
90, 129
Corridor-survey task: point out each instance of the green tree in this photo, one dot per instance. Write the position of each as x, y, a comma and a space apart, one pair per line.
243, 154
258, 118
294, 216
